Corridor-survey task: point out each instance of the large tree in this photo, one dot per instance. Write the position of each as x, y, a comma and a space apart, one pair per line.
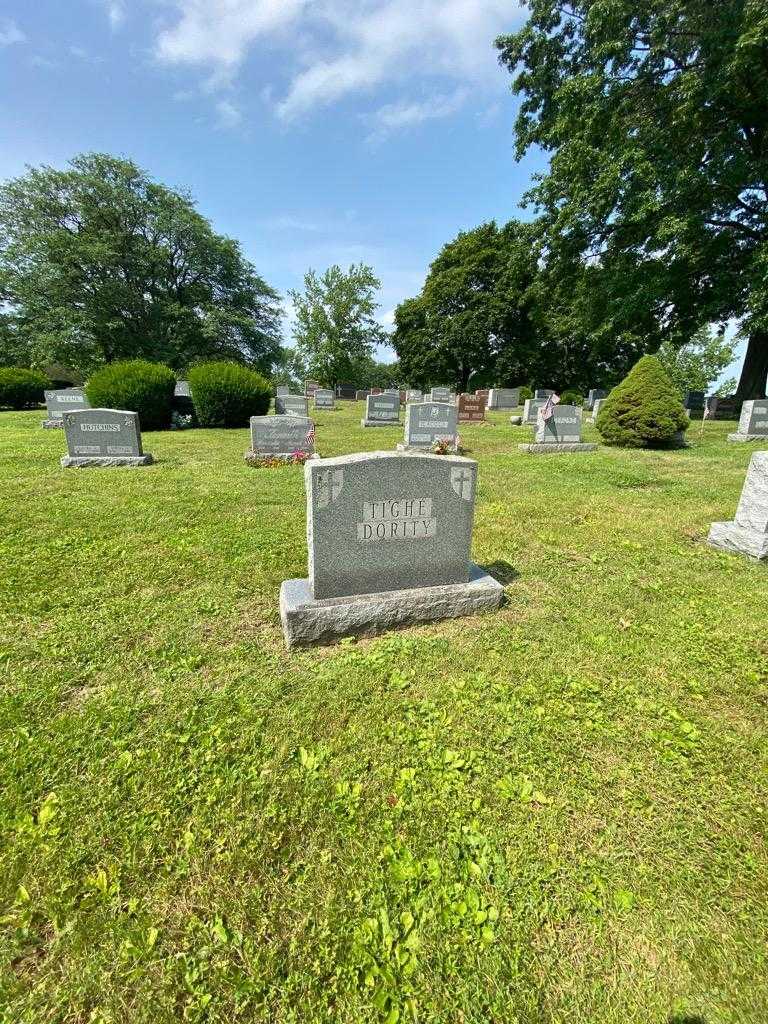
655, 116
99, 262
336, 329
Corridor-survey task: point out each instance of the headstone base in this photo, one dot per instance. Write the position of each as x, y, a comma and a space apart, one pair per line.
402, 447
379, 423
280, 456
95, 461
306, 621
554, 449
734, 538
53, 424
748, 437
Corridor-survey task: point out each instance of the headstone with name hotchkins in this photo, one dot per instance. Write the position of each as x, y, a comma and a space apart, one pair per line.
381, 411
503, 398
291, 405
426, 423
471, 409
440, 394
62, 400
560, 432
324, 399
389, 537
281, 437
748, 532
753, 425
103, 437
595, 395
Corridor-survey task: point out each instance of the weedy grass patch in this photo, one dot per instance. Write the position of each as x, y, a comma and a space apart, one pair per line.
554, 813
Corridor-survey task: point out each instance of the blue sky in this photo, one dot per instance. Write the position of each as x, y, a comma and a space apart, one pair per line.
314, 131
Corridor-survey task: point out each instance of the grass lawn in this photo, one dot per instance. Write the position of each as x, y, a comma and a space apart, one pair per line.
553, 814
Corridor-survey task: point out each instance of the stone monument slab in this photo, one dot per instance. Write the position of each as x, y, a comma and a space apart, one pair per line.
747, 534
281, 437
595, 395
471, 409
291, 405
440, 394
561, 432
381, 411
61, 400
103, 437
325, 399
531, 410
753, 424
428, 422
503, 398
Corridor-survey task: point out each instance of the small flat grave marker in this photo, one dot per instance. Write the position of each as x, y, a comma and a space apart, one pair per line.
103, 437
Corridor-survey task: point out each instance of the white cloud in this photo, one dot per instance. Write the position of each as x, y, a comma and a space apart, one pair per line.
115, 12
10, 33
344, 47
396, 116
230, 116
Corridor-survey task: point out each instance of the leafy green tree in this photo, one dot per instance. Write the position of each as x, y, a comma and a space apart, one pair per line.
336, 329
99, 263
655, 116
698, 363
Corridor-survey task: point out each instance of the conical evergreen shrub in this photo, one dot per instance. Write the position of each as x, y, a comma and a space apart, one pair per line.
645, 410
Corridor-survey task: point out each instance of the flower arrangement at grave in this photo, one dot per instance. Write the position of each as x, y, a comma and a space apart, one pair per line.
446, 445
257, 461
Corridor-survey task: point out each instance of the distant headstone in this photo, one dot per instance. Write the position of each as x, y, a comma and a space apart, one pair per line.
103, 437
599, 403
346, 392
291, 405
753, 425
282, 389
381, 411
483, 394
360, 396
324, 399
561, 432
310, 387
503, 398
694, 400
429, 422
471, 409
60, 401
531, 409
281, 437
440, 395
392, 391
376, 391
413, 395
389, 538
403, 397
595, 395
543, 393
182, 389
748, 532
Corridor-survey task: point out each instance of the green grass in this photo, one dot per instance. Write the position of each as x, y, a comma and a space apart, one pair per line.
554, 814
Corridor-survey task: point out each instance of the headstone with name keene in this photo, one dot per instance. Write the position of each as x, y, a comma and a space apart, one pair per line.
291, 405
324, 399
543, 393
381, 411
503, 398
388, 536
429, 422
281, 437
595, 395
561, 432
440, 394
62, 400
531, 409
471, 409
103, 437
748, 532
753, 424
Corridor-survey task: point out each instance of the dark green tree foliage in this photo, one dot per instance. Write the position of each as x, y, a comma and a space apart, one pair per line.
99, 263
655, 207
644, 410
21, 389
137, 386
228, 394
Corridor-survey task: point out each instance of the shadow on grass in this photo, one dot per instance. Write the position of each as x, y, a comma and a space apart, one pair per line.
685, 1018
502, 571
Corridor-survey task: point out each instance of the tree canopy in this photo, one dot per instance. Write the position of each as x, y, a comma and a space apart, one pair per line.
99, 262
655, 206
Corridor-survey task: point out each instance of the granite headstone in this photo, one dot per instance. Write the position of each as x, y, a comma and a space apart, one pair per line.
381, 411
62, 400
595, 395
748, 532
428, 422
753, 424
324, 399
103, 437
280, 437
471, 409
503, 398
440, 394
560, 432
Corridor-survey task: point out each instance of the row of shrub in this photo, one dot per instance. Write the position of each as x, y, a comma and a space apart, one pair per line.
21, 389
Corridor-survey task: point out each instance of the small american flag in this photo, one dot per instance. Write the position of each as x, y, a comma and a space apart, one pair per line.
548, 409
310, 438
710, 407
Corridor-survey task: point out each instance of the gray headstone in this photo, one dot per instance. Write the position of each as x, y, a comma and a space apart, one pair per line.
543, 393
392, 391
281, 435
413, 395
531, 409
599, 403
595, 395
754, 418
109, 437
324, 399
748, 532
282, 389
386, 521
346, 392
428, 422
503, 398
693, 400
291, 405
360, 396
440, 394
471, 409
57, 402
182, 389
382, 410
562, 427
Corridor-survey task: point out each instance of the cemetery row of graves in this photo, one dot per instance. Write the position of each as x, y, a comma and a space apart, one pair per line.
549, 810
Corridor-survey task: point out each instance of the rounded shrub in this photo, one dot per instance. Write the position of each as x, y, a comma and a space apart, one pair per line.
137, 386
228, 394
571, 398
525, 394
21, 389
645, 410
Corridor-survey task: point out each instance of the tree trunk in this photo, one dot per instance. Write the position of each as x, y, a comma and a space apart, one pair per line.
754, 373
